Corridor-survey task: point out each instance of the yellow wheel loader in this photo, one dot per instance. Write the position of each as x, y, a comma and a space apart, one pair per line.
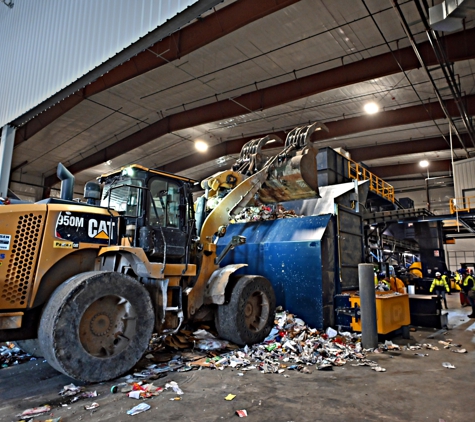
86, 284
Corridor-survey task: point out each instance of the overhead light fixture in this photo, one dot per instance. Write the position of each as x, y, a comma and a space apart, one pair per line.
201, 146
108, 162
371, 108
425, 164
128, 171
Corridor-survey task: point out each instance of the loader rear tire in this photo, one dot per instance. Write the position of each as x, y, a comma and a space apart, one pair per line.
96, 326
32, 347
248, 316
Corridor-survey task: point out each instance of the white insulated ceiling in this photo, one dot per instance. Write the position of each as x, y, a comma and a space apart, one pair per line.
302, 39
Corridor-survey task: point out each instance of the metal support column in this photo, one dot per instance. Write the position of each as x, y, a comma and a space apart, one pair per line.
6, 155
369, 329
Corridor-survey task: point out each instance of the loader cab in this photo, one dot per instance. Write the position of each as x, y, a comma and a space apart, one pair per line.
157, 208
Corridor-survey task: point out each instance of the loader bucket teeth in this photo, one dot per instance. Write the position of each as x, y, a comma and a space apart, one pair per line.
293, 175
250, 159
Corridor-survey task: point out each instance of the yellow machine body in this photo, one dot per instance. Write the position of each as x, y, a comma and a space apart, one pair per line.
392, 311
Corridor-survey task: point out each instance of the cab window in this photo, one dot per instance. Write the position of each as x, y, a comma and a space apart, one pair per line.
124, 197
165, 195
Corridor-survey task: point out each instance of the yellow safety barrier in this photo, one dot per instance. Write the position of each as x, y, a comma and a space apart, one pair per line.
465, 203
376, 185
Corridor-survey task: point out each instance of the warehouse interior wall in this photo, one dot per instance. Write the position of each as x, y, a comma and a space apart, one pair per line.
463, 251
441, 189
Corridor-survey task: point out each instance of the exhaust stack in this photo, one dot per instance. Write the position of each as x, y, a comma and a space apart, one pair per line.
67, 182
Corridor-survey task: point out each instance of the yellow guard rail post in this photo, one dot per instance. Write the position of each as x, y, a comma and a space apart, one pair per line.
464, 203
376, 184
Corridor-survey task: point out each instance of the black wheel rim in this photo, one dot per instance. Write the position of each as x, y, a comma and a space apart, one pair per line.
256, 311
107, 326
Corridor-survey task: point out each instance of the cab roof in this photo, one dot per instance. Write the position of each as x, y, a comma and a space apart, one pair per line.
105, 176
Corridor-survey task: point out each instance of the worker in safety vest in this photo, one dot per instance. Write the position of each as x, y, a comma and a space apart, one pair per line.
383, 284
458, 280
446, 278
440, 286
397, 285
468, 286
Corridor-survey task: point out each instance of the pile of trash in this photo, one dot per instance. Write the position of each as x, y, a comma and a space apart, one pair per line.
10, 355
290, 346
264, 213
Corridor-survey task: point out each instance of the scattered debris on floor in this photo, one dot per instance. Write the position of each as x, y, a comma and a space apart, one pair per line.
448, 344
174, 386
37, 420
459, 350
91, 406
35, 411
76, 393
430, 347
10, 355
142, 391
69, 390
290, 346
142, 407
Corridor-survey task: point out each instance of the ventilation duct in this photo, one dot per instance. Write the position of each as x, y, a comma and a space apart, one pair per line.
448, 15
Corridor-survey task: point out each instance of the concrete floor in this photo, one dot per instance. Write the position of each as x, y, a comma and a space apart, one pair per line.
412, 389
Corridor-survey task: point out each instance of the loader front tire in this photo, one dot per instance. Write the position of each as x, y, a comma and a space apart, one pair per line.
248, 315
31, 346
96, 326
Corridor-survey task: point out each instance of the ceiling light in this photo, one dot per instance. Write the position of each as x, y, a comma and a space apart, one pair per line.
108, 162
371, 108
201, 146
424, 163
128, 171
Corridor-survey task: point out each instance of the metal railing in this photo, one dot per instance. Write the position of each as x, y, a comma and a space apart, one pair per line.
465, 203
376, 184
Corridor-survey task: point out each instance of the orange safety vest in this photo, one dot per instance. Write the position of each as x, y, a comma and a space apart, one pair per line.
397, 285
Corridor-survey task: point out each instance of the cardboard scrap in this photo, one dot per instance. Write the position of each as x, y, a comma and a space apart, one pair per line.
35, 411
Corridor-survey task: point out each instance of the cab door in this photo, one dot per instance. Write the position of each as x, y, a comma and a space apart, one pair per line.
167, 218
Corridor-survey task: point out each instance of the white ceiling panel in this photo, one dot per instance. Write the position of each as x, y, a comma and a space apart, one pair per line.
303, 39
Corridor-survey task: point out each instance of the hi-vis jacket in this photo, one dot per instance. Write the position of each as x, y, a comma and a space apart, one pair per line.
439, 285
468, 283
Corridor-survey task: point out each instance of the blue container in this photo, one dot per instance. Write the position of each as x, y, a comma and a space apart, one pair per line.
297, 255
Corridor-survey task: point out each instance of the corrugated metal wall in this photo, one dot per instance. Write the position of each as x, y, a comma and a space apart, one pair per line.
464, 175
45, 45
